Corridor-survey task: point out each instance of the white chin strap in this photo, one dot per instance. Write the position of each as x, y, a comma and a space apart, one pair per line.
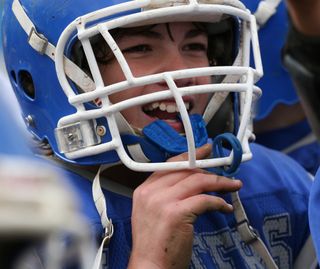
247, 233
101, 205
41, 44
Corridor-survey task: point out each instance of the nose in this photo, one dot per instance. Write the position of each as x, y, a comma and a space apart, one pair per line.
173, 61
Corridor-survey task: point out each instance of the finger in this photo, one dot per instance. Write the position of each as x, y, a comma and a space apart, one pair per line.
194, 206
187, 188
161, 179
158, 185
200, 183
169, 177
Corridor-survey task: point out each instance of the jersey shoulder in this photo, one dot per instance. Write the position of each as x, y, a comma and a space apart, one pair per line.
271, 170
314, 213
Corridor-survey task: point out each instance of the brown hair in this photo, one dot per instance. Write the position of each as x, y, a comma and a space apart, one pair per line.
220, 44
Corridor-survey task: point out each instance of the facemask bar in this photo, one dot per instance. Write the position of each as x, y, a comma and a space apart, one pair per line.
245, 88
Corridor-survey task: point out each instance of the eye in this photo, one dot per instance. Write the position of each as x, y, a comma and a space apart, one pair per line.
195, 47
138, 49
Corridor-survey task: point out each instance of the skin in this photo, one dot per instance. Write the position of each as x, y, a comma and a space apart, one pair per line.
167, 203
187, 50
162, 238
305, 16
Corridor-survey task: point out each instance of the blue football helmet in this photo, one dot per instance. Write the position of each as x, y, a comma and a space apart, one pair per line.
69, 107
272, 20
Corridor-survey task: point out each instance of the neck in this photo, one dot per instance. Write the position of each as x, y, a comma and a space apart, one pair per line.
124, 176
119, 173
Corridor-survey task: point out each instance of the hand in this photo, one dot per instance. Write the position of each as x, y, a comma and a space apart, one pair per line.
305, 16
165, 207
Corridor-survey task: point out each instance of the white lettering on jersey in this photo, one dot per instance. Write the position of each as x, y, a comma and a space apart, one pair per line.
276, 228
224, 249
213, 250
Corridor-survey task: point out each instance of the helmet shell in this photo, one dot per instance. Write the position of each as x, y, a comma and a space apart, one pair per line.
48, 103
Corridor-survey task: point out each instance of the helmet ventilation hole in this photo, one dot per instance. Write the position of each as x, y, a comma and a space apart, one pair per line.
26, 83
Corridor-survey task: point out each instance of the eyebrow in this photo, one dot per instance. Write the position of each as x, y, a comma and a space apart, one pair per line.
147, 33
194, 33
155, 35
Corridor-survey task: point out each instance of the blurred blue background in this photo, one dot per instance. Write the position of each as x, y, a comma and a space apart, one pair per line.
5, 87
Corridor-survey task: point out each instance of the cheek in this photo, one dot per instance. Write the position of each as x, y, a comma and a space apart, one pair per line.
204, 80
201, 100
131, 114
111, 73
201, 103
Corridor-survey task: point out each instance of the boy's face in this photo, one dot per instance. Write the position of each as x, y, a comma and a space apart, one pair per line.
164, 47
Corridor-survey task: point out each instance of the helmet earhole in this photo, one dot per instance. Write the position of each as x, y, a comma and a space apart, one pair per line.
26, 83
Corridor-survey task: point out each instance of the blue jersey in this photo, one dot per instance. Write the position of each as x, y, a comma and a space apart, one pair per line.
297, 141
314, 213
275, 197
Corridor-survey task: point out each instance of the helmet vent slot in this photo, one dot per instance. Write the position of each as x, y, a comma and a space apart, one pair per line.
26, 83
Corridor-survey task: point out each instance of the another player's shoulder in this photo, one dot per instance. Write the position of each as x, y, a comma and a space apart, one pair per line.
317, 177
314, 212
275, 160
315, 194
273, 170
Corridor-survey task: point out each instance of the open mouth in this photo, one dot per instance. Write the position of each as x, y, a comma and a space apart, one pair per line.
165, 110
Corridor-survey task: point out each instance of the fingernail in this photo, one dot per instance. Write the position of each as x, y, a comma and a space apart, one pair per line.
230, 207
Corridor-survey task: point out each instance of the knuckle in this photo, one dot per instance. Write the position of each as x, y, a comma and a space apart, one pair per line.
141, 193
220, 203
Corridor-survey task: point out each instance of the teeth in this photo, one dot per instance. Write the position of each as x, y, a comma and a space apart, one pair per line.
154, 105
162, 107
170, 108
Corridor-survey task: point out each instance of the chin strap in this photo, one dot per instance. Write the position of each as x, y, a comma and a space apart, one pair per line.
41, 44
247, 233
101, 205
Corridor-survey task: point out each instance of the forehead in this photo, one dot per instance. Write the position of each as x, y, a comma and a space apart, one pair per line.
180, 26
189, 29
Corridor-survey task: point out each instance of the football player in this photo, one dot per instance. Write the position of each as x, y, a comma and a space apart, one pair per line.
147, 106
301, 56
280, 121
